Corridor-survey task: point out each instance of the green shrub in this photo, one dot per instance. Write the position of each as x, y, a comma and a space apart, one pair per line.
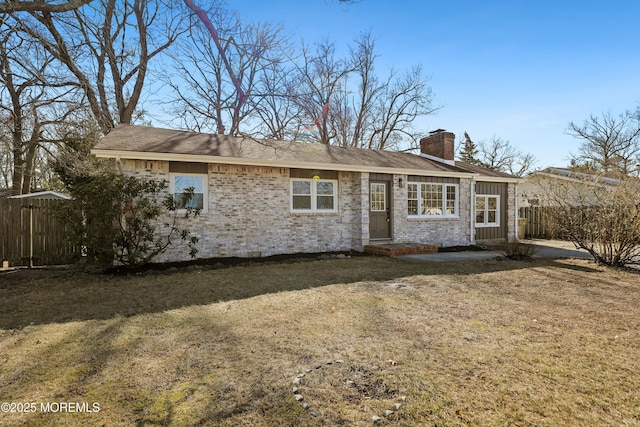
116, 218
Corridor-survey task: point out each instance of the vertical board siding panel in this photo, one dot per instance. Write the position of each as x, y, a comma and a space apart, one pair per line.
434, 179
494, 233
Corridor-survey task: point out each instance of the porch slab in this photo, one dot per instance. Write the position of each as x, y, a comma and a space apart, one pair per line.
395, 249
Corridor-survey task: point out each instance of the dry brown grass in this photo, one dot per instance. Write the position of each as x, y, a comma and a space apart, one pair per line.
544, 342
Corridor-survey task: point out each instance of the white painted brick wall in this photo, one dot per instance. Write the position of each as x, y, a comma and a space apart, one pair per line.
249, 215
446, 232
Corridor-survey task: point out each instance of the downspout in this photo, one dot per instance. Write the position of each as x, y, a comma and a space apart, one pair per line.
472, 210
517, 212
119, 164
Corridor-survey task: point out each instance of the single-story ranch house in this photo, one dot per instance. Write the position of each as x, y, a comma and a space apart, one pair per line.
262, 198
534, 189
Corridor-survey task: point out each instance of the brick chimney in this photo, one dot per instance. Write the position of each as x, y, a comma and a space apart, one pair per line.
439, 144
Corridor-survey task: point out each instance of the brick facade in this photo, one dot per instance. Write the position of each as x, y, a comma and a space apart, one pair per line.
249, 214
444, 232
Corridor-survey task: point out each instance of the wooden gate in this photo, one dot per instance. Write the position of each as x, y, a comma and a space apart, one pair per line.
30, 234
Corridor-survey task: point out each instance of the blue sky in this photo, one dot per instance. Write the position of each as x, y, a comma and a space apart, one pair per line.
520, 70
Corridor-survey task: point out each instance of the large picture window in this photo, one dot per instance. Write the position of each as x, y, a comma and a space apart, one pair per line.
180, 182
487, 211
313, 195
432, 200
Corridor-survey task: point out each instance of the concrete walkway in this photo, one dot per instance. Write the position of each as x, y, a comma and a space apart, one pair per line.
545, 249
558, 249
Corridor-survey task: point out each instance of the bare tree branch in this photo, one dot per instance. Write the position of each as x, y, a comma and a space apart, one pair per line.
608, 143
216, 39
10, 6
498, 154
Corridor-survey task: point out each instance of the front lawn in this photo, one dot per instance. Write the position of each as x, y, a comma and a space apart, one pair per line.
545, 342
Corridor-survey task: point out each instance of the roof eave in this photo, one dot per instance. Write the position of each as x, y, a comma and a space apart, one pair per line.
594, 180
142, 155
486, 178
41, 194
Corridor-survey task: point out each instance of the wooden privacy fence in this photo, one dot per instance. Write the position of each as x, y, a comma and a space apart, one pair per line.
538, 224
30, 234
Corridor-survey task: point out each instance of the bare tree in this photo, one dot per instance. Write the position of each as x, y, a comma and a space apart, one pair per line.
213, 32
378, 113
404, 100
360, 115
106, 47
498, 154
609, 143
221, 81
56, 61
598, 215
29, 95
277, 114
322, 75
6, 161
349, 105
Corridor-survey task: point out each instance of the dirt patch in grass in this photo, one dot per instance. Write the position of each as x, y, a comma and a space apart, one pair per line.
477, 343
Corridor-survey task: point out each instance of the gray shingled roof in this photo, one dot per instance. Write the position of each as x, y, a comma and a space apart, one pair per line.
482, 170
568, 173
134, 141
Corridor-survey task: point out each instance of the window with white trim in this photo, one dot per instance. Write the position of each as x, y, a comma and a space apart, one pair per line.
432, 200
314, 195
179, 182
487, 210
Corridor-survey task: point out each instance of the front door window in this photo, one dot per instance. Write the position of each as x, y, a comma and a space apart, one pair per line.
378, 197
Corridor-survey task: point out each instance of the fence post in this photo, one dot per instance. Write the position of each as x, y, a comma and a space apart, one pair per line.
30, 235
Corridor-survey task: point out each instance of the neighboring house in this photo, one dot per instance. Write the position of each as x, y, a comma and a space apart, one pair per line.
533, 191
261, 198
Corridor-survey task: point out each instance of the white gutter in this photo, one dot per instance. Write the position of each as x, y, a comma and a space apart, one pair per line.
484, 178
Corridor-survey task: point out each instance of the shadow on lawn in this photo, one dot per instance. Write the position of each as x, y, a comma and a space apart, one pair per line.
34, 297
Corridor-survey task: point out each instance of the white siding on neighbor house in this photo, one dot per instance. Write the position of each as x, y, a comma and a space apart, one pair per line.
531, 192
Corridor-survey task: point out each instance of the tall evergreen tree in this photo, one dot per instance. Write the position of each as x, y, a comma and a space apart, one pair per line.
469, 151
